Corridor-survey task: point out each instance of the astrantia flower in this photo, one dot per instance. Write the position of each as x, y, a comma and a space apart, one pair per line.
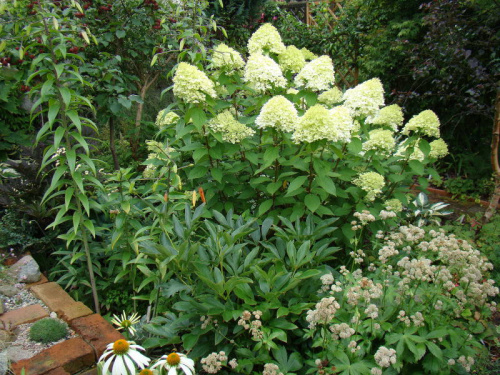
263, 73
308, 55
439, 149
330, 97
278, 113
385, 357
426, 123
371, 182
317, 123
175, 361
292, 59
231, 129
122, 358
227, 59
165, 118
317, 75
126, 323
191, 84
366, 98
266, 38
380, 140
390, 116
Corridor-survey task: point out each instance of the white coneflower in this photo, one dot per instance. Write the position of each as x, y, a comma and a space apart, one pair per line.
126, 323
174, 361
123, 358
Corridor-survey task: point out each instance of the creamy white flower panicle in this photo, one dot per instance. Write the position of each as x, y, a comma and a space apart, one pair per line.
426, 123
308, 55
292, 59
390, 116
371, 182
165, 118
402, 151
263, 73
278, 113
380, 140
317, 123
265, 38
365, 99
192, 85
317, 75
231, 129
344, 124
330, 97
439, 149
227, 59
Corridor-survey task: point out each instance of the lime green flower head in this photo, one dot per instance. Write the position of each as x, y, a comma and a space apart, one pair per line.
365, 99
317, 75
192, 85
393, 205
344, 124
266, 38
380, 140
308, 55
371, 182
390, 116
165, 118
402, 151
278, 113
425, 123
262, 73
227, 59
439, 149
231, 129
292, 59
330, 97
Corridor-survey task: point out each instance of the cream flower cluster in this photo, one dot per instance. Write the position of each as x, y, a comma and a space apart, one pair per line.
391, 116
266, 38
364, 289
308, 55
278, 113
263, 73
402, 151
371, 182
227, 59
394, 205
320, 123
426, 123
191, 84
317, 75
330, 97
385, 357
439, 149
271, 369
165, 118
380, 140
323, 313
292, 59
212, 363
366, 98
231, 129
342, 331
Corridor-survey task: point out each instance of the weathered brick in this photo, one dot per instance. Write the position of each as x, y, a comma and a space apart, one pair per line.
24, 315
75, 310
58, 371
92, 371
72, 355
53, 296
96, 331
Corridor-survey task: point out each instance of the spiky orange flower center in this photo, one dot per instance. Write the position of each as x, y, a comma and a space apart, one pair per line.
173, 359
146, 372
121, 347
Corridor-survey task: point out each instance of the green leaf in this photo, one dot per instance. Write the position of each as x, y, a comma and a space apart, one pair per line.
46, 87
296, 183
71, 158
199, 117
312, 202
75, 119
59, 133
77, 218
416, 167
68, 195
120, 34
197, 172
327, 184
355, 145
85, 202
270, 155
125, 206
216, 174
90, 226
77, 177
424, 146
264, 207
66, 95
53, 112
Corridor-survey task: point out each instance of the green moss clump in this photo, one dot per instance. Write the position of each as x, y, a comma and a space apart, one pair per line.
48, 330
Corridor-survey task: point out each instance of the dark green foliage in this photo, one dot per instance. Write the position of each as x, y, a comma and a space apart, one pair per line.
48, 330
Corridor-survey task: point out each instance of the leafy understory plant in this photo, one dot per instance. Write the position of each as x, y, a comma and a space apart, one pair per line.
426, 213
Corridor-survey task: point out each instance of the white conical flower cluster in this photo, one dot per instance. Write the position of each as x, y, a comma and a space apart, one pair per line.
263, 73
317, 75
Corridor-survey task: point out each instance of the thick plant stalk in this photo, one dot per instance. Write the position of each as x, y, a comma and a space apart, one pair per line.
495, 163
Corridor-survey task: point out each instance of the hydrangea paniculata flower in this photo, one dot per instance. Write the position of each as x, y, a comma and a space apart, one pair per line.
330, 97
231, 129
265, 38
403, 151
192, 85
317, 75
165, 118
308, 55
278, 113
344, 124
426, 123
380, 140
391, 116
263, 73
366, 98
292, 59
317, 123
371, 182
227, 59
394, 205
439, 149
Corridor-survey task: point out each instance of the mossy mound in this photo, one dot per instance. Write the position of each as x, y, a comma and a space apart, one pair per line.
48, 330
